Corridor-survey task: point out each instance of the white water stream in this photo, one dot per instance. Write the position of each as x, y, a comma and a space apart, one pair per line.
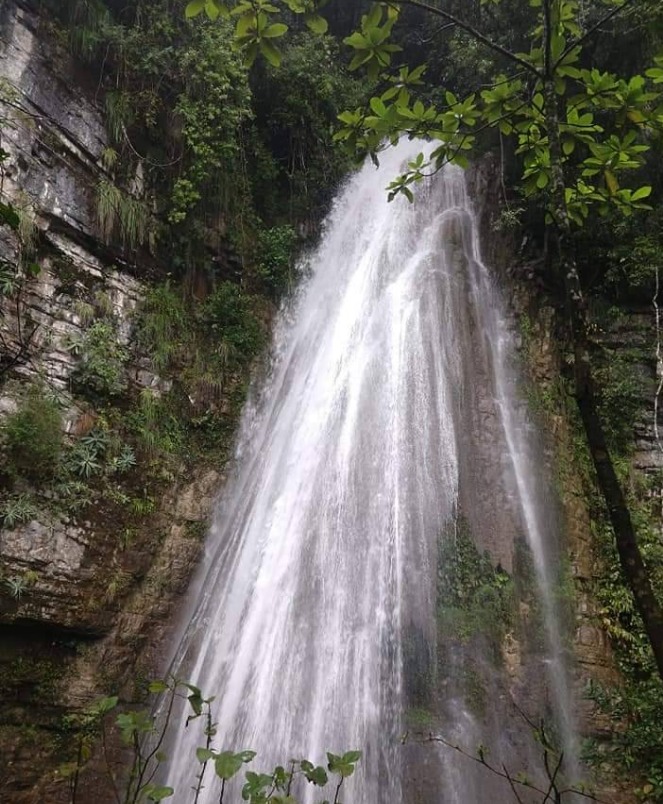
323, 555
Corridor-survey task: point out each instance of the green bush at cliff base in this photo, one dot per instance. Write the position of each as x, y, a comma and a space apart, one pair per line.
276, 248
33, 436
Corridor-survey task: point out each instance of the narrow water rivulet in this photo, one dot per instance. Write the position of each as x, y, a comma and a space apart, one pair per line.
390, 419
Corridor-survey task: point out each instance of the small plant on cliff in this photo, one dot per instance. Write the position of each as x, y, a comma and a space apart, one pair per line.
18, 585
18, 510
102, 359
163, 325
120, 213
33, 435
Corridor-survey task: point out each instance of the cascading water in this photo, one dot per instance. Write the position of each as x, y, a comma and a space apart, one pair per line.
391, 407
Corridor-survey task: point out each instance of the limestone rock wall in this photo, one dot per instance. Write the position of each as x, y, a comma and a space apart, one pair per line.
95, 591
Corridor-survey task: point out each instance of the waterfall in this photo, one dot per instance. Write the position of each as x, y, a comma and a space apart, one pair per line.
391, 408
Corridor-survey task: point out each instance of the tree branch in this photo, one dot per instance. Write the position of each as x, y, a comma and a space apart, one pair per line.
503, 772
473, 32
512, 785
547, 39
591, 31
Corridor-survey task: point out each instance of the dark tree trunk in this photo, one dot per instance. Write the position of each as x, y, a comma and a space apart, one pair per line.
630, 557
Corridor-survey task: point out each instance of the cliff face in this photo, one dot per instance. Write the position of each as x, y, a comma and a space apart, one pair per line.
85, 589
607, 635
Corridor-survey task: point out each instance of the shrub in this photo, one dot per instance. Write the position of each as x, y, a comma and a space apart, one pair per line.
230, 313
163, 324
33, 435
102, 360
276, 247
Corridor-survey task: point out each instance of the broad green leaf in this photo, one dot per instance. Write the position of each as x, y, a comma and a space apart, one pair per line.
160, 793
227, 765
641, 192
105, 705
317, 776
157, 687
611, 182
378, 107
204, 754
194, 8
316, 23
275, 30
270, 52
212, 9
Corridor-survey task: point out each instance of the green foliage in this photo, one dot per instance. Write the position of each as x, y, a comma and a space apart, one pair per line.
230, 315
71, 495
153, 423
206, 350
18, 510
163, 325
33, 435
576, 130
100, 372
620, 397
276, 247
474, 597
254, 30
212, 109
294, 154
143, 733
120, 213
83, 461
630, 252
638, 748
188, 127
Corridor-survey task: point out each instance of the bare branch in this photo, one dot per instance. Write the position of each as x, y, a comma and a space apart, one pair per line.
610, 15
504, 774
512, 785
473, 32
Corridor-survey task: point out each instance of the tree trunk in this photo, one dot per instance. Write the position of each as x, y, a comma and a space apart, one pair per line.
630, 556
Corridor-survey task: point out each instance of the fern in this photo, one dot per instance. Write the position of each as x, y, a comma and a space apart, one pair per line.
119, 213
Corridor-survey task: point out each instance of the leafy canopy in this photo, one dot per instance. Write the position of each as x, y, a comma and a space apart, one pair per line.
593, 124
